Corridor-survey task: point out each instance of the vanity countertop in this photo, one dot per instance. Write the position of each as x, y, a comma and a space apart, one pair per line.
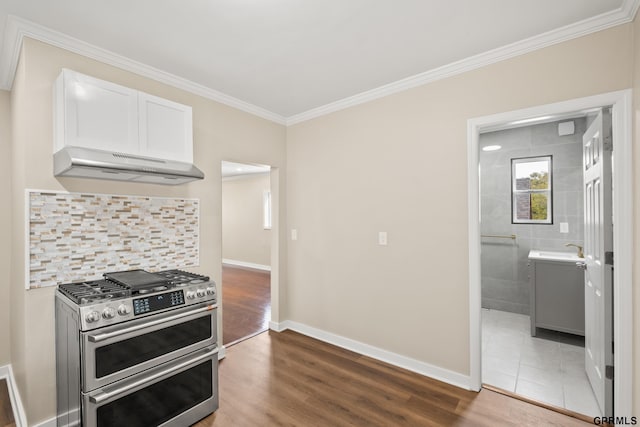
554, 256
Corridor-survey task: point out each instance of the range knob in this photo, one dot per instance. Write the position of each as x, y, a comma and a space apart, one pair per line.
123, 310
211, 290
201, 293
109, 313
94, 316
191, 294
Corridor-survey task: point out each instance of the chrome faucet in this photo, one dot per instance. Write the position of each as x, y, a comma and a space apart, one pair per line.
580, 252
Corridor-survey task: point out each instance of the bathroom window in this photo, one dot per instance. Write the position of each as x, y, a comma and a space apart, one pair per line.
531, 185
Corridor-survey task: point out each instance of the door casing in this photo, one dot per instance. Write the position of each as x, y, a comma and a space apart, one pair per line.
621, 103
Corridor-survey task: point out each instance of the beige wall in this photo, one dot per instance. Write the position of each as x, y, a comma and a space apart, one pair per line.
399, 164
5, 224
243, 235
219, 132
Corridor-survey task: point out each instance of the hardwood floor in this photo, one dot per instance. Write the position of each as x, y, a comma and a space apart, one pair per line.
246, 303
6, 413
278, 379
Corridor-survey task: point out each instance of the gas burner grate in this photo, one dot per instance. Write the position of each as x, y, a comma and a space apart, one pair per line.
128, 283
182, 278
96, 290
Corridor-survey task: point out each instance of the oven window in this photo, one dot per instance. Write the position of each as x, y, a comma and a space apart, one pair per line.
158, 403
124, 354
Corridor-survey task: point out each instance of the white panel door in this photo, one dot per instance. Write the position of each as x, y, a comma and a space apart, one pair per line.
597, 146
166, 129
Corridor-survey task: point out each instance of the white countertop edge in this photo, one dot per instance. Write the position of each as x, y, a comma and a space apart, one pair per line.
554, 256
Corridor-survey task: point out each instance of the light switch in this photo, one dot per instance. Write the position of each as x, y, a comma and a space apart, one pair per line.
564, 227
382, 238
294, 234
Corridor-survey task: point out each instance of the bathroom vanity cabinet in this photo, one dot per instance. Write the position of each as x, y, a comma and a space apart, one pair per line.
556, 287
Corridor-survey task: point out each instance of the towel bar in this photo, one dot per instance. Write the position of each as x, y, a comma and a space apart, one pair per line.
497, 236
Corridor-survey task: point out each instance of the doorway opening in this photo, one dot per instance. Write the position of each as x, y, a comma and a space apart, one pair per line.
537, 216
531, 208
246, 250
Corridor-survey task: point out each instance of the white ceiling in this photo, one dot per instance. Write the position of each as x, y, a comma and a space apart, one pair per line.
287, 57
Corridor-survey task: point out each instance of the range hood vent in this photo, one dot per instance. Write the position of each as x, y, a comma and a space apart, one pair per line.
83, 162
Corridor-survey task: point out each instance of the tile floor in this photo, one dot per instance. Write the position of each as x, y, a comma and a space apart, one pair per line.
542, 369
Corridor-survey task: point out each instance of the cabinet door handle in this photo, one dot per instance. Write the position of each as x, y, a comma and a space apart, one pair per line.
581, 265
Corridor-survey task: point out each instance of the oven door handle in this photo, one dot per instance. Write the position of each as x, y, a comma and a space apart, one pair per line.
104, 396
107, 335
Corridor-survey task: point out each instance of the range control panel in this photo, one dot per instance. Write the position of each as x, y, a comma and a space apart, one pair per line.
110, 312
157, 302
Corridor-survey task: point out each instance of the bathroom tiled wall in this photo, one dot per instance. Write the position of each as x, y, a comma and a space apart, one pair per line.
505, 284
74, 237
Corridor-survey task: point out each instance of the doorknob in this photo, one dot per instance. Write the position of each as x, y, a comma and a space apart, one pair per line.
581, 265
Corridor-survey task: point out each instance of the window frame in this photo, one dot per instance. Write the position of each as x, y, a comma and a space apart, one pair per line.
514, 192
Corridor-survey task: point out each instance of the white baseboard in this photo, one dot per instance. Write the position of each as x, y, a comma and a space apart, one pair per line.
422, 368
278, 327
19, 414
246, 264
51, 422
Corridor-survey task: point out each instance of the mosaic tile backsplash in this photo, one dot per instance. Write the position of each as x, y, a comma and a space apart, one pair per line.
78, 236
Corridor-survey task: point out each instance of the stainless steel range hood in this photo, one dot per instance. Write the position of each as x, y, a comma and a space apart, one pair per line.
83, 162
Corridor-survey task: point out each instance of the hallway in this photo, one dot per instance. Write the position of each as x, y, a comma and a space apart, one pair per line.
246, 303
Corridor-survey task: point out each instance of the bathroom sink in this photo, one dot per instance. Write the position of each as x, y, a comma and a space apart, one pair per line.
555, 256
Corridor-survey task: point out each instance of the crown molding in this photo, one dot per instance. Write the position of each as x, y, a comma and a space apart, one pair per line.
17, 29
624, 14
10, 52
630, 7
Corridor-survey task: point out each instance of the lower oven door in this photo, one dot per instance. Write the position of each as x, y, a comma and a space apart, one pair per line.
178, 393
119, 351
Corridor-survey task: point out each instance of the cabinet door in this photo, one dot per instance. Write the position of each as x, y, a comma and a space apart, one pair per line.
559, 297
165, 128
97, 114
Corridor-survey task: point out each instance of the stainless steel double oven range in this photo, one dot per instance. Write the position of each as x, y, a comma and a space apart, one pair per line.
137, 349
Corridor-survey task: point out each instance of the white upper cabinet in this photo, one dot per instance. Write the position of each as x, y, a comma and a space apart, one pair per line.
93, 113
165, 128
96, 114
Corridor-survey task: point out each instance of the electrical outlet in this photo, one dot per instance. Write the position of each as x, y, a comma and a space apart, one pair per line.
382, 238
294, 234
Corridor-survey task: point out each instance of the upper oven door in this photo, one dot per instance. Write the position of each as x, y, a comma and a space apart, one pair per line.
116, 352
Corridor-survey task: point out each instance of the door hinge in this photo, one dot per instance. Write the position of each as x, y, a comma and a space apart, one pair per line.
608, 258
608, 372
